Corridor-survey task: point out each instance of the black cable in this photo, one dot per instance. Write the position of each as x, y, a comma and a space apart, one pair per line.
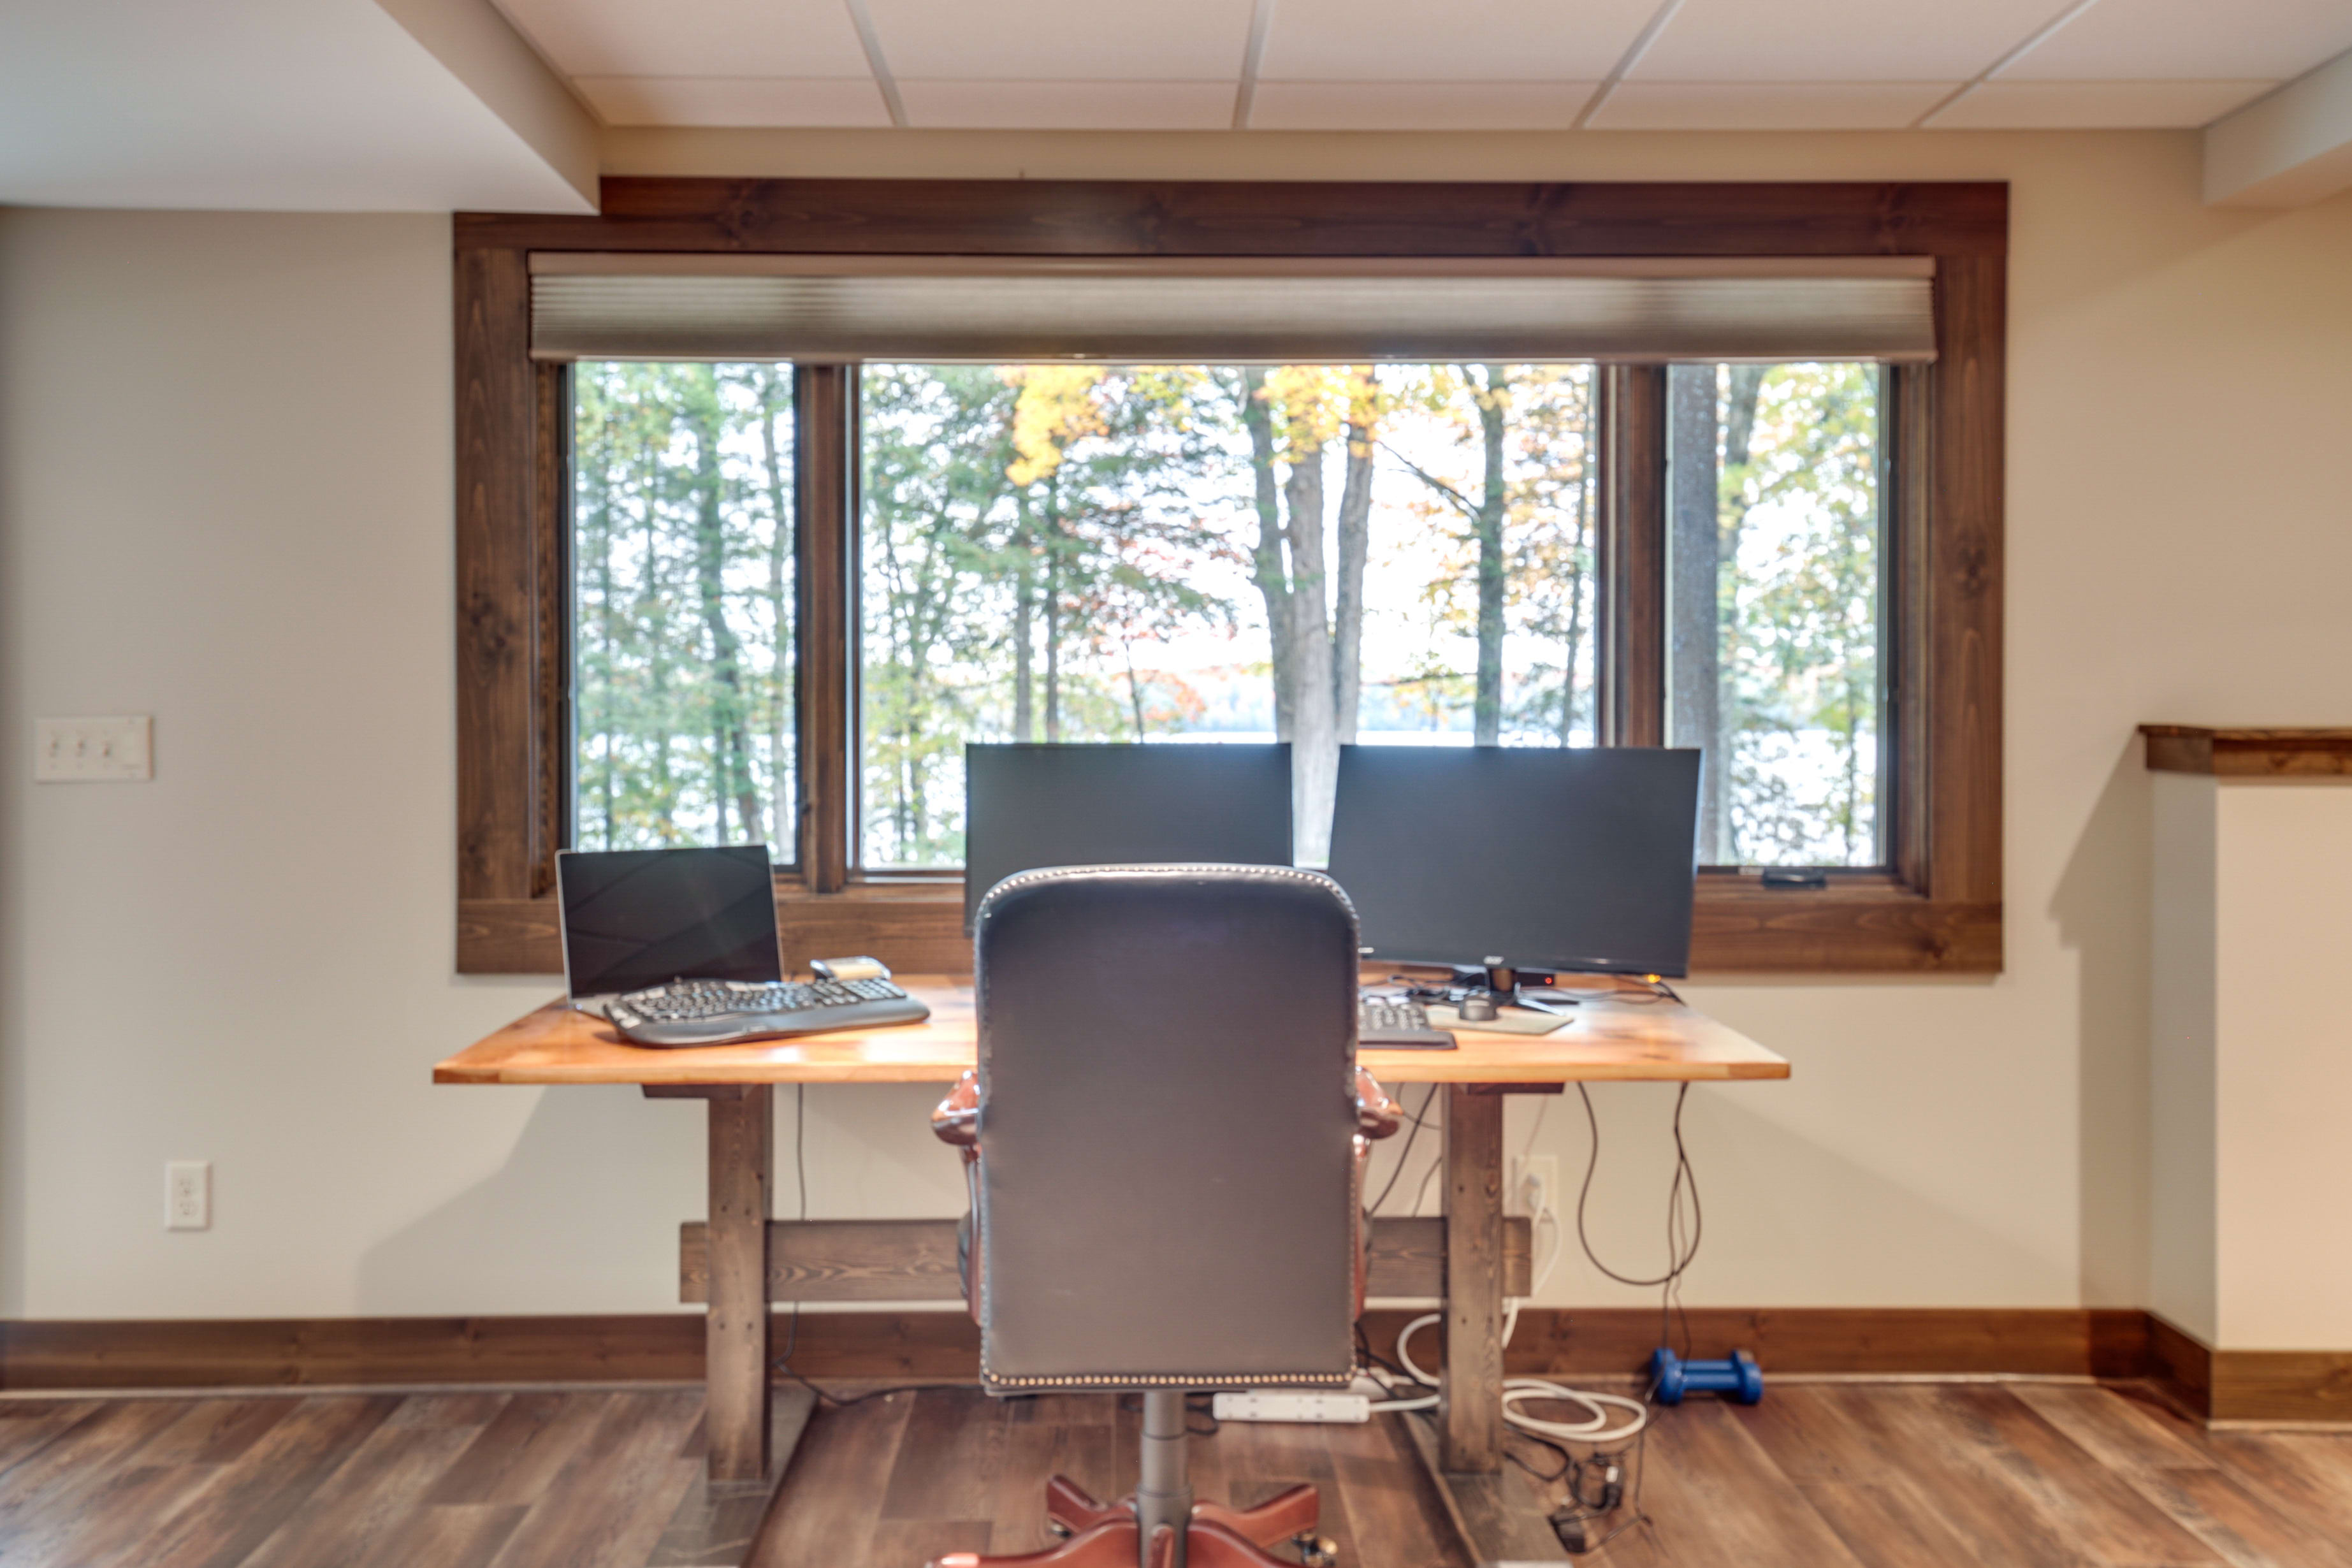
783, 1362
1677, 1260
1405, 1151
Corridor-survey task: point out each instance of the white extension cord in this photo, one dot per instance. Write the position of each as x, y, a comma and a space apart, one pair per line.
1595, 1429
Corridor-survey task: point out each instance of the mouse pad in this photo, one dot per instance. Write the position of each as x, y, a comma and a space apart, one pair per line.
1506, 1021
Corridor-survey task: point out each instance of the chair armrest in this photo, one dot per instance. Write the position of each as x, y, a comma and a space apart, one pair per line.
956, 1119
1377, 1115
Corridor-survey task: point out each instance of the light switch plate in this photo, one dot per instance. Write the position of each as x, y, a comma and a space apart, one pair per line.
88, 751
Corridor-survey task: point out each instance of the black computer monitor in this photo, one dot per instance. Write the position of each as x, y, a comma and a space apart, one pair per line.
634, 918
1027, 807
1579, 859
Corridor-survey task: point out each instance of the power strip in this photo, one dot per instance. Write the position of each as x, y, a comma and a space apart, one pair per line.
1352, 1407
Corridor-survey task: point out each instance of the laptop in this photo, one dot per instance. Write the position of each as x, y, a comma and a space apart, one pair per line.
635, 918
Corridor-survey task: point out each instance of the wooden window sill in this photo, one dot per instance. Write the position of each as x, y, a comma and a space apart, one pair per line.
1862, 923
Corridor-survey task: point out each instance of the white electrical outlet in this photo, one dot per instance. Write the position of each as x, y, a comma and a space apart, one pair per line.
188, 1194
1538, 1186
86, 751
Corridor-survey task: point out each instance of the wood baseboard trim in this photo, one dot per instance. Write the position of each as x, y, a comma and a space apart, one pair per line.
944, 1346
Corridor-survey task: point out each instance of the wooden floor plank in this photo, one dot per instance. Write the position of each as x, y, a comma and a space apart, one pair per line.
511, 1461
442, 1535
263, 1488
1732, 1499
716, 1523
56, 1481
949, 1458
383, 1482
1980, 1505
1389, 1508
2308, 1474
1812, 1436
1887, 1523
2093, 1507
113, 1522
215, 1431
2242, 1528
832, 1495
2120, 1433
609, 1507
1819, 1476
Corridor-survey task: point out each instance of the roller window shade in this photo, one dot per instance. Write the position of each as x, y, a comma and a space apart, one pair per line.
948, 309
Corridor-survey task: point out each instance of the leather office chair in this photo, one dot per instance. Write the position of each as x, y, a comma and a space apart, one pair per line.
1165, 1141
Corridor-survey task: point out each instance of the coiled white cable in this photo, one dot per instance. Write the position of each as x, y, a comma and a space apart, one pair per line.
1596, 1428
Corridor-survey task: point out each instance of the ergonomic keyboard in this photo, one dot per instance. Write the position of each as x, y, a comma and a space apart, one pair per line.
727, 1012
1397, 1023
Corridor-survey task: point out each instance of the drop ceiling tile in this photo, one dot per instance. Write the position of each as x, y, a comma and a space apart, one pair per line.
1767, 106
1068, 105
734, 101
1063, 40
2191, 40
1839, 40
805, 38
2095, 105
1419, 105
1468, 40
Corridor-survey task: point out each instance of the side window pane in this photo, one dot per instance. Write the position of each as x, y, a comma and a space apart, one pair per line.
1775, 608
1321, 554
682, 605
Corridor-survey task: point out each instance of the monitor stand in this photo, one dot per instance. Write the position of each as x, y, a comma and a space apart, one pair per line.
1504, 981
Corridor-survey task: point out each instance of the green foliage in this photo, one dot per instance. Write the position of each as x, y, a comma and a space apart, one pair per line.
1799, 606
1025, 528
1036, 540
682, 594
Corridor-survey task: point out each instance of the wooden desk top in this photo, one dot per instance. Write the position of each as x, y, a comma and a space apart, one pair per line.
1613, 1037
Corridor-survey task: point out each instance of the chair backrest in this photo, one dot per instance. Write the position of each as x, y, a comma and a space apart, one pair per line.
1167, 1128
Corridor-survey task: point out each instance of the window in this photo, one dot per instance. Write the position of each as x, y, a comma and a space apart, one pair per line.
681, 635
1775, 608
707, 593
1082, 553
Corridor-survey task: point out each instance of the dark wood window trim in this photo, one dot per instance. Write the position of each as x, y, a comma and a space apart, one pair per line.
1935, 908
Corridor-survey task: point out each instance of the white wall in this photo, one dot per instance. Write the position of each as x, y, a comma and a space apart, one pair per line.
2282, 1073
223, 498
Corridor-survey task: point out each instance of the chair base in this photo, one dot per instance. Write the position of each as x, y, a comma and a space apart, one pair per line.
1106, 1535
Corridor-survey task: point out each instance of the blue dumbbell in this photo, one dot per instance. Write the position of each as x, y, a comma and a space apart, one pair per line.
1740, 1377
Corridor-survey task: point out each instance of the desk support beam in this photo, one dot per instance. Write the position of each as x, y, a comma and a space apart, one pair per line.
1469, 1402
742, 1132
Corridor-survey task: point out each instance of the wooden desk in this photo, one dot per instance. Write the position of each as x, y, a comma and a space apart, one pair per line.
742, 1259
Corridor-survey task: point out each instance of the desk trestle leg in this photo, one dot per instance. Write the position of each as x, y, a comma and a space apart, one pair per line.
1470, 1402
736, 1344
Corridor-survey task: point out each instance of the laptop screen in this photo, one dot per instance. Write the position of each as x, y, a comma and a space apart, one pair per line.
634, 918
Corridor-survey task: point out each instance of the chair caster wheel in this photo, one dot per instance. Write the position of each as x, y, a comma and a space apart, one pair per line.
1316, 1550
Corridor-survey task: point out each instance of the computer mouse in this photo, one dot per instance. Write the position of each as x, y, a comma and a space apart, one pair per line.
1476, 1007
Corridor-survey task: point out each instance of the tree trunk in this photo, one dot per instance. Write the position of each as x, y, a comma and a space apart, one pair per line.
1265, 555
1024, 634
1314, 713
1577, 544
1694, 625
1052, 614
1746, 381
784, 833
1355, 529
731, 737
1487, 709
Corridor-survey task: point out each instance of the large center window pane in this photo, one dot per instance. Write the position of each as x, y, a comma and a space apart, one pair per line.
1321, 554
